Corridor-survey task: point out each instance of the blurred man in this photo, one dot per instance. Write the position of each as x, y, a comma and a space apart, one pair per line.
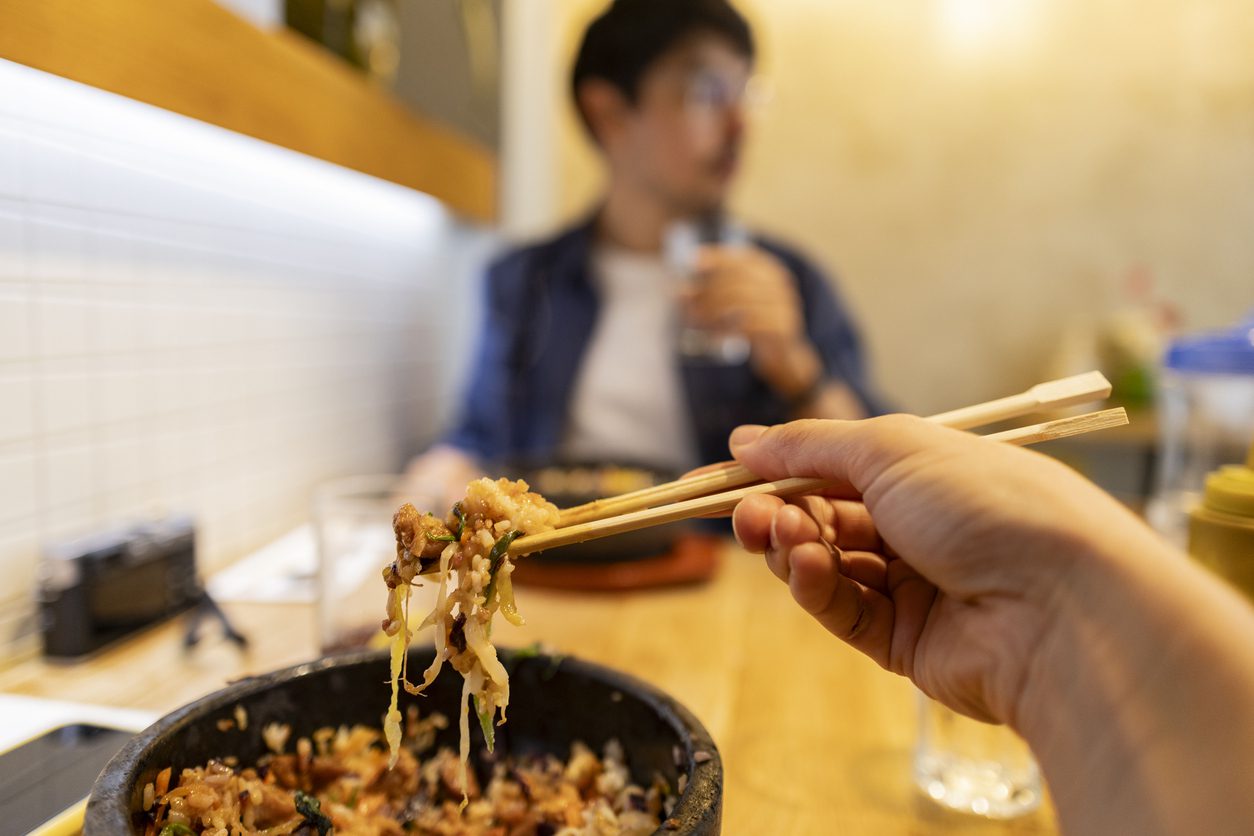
584, 356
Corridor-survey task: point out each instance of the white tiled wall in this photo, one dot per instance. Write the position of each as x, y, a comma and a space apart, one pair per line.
194, 320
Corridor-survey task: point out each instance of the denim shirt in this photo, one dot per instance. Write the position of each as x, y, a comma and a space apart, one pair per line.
541, 308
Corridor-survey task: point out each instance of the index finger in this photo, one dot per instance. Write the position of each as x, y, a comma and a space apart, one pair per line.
852, 454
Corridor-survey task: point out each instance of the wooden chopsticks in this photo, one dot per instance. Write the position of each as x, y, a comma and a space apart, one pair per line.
1053, 394
717, 503
698, 507
1063, 427
719, 488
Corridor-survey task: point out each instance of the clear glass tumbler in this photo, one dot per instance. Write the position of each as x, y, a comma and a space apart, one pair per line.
974, 767
352, 520
683, 241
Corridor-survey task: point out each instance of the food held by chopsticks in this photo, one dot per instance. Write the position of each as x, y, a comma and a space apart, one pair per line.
470, 552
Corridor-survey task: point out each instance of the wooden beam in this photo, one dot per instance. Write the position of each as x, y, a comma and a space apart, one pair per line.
196, 58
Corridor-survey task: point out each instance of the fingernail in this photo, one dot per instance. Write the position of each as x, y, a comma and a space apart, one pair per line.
746, 434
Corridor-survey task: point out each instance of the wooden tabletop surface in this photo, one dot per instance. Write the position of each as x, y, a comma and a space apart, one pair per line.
815, 739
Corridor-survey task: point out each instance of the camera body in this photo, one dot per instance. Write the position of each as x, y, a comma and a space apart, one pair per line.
101, 588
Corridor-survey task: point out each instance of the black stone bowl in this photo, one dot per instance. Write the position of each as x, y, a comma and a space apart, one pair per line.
553, 702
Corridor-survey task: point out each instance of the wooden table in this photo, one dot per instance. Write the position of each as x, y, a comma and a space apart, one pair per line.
815, 739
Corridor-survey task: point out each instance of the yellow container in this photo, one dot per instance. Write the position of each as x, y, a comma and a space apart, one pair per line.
1221, 527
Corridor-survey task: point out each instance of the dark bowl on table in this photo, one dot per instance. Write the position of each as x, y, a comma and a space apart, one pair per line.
554, 702
568, 485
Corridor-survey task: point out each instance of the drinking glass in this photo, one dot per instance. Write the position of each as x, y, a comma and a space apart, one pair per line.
683, 240
974, 767
353, 530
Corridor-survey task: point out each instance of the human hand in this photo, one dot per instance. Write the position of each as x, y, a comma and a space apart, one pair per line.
1011, 589
746, 290
939, 555
436, 479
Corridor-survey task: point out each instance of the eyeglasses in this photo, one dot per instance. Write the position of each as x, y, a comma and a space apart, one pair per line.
707, 93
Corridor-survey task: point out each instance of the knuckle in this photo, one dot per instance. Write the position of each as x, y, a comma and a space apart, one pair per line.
892, 426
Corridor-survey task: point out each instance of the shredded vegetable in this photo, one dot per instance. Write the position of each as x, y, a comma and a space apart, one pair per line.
310, 810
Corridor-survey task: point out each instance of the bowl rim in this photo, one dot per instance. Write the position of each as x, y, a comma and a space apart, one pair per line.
699, 809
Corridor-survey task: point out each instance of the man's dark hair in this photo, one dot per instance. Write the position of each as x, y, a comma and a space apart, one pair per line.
621, 44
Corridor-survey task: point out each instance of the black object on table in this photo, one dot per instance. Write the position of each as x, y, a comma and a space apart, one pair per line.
44, 777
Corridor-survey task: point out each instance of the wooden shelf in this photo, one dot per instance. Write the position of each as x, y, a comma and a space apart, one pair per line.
196, 58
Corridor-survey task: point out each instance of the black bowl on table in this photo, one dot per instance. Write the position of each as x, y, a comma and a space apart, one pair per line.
554, 702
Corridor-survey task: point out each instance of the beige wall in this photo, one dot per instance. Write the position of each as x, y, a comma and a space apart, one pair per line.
980, 181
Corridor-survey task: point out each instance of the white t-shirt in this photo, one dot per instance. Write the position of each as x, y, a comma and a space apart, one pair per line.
628, 403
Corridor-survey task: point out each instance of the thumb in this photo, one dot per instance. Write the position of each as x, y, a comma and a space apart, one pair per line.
854, 453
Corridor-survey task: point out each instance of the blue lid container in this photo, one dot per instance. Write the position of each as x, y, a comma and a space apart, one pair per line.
1223, 352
